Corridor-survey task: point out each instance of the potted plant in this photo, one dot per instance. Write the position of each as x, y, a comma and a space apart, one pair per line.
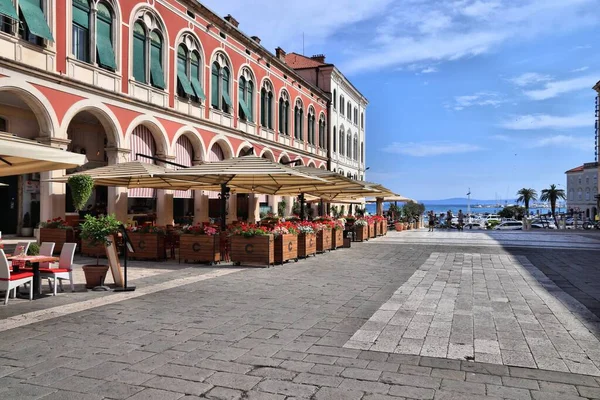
323, 228
286, 242
307, 239
337, 235
26, 230
98, 231
252, 244
361, 230
81, 190
56, 230
148, 242
199, 243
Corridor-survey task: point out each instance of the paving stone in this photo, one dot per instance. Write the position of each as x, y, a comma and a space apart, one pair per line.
366, 386
318, 380
553, 396
222, 393
483, 378
326, 393
363, 374
520, 383
411, 392
154, 394
274, 373
235, 381
508, 392
177, 385
411, 380
462, 387
66, 395
286, 388
117, 390
183, 372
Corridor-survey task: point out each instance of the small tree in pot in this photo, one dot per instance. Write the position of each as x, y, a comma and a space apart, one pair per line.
98, 231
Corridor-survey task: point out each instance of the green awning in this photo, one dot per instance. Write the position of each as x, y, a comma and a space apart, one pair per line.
185, 83
35, 19
227, 99
156, 72
81, 15
245, 109
106, 53
198, 88
8, 9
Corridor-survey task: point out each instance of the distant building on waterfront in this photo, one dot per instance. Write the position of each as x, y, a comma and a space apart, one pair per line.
582, 189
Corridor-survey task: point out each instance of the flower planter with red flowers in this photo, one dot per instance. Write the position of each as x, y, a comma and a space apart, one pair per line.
148, 243
286, 248
59, 236
324, 240
361, 230
337, 238
253, 250
307, 244
371, 230
199, 243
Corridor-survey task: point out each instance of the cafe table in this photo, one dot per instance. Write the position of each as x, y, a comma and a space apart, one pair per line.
35, 264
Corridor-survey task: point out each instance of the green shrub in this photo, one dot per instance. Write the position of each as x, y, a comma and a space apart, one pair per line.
81, 190
96, 229
33, 250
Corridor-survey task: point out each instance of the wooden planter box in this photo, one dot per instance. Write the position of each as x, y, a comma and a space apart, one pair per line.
254, 250
337, 238
87, 249
324, 240
148, 246
286, 248
385, 227
58, 236
361, 232
371, 231
307, 244
199, 248
377, 228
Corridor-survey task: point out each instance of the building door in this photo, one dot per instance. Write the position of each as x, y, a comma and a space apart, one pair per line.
9, 199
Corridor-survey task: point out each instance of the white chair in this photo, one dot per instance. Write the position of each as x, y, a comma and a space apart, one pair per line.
10, 281
64, 270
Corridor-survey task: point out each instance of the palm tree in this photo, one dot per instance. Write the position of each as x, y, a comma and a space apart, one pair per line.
552, 194
525, 196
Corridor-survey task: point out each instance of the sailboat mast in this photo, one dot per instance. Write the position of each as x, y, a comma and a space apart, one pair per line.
469, 204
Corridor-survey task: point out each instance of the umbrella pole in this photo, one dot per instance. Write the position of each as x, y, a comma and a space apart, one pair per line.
322, 209
301, 200
224, 195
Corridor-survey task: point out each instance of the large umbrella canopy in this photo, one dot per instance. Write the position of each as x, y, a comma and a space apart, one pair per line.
249, 174
24, 156
133, 174
389, 199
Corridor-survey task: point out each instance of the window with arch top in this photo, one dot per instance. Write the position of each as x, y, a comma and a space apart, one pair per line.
334, 97
349, 111
87, 18
266, 105
311, 125
322, 131
298, 120
246, 95
32, 20
284, 113
362, 120
189, 69
342, 142
349, 144
342, 102
220, 98
334, 140
148, 51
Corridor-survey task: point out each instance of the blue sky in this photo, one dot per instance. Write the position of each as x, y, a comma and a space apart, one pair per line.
494, 95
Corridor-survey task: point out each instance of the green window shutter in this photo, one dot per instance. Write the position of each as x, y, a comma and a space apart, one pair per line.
227, 99
198, 88
241, 91
183, 80
8, 9
281, 115
35, 19
245, 109
139, 58
214, 87
250, 100
81, 14
263, 108
270, 110
106, 54
156, 72
225, 88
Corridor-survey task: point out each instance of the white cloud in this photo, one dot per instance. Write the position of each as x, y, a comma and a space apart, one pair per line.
427, 149
530, 78
478, 99
580, 143
555, 88
585, 68
582, 47
543, 121
429, 70
502, 138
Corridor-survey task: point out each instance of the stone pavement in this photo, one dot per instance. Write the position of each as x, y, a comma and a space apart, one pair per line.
279, 333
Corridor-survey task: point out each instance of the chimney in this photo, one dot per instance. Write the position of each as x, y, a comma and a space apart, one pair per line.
232, 20
319, 57
280, 53
256, 39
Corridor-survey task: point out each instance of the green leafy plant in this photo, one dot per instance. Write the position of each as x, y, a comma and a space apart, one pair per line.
81, 190
281, 208
96, 229
33, 250
515, 212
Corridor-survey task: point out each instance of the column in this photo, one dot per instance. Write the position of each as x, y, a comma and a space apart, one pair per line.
274, 203
232, 209
289, 203
164, 207
117, 196
379, 205
52, 196
253, 208
200, 207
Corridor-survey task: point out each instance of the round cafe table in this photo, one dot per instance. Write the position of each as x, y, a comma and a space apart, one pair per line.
35, 264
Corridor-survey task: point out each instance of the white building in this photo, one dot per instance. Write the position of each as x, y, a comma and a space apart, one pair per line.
582, 189
347, 113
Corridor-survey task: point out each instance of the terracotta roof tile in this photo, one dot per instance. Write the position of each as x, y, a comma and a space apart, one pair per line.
577, 169
296, 60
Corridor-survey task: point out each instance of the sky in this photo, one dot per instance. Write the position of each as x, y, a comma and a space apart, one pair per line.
491, 95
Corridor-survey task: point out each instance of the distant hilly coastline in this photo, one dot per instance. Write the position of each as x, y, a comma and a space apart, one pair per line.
463, 200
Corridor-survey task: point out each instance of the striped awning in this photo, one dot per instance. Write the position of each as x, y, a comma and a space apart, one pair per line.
141, 142
24, 156
132, 175
248, 174
184, 154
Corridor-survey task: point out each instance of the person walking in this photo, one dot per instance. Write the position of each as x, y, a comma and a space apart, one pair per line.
461, 220
431, 218
449, 219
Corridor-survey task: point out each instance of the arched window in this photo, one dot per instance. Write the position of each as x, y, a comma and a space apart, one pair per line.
322, 132
311, 125
362, 120
284, 113
220, 98
579, 194
362, 152
355, 116
587, 194
342, 141
148, 51
246, 95
349, 144
349, 111
342, 104
334, 140
33, 24
189, 72
299, 120
334, 99
355, 148
266, 105
86, 17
